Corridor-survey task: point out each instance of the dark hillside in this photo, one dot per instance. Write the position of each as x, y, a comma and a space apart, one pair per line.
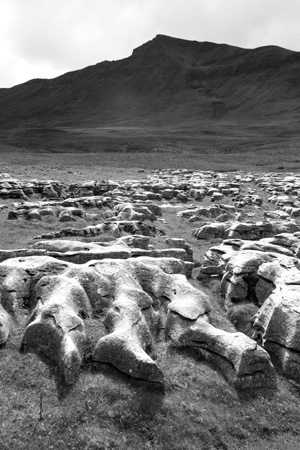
166, 84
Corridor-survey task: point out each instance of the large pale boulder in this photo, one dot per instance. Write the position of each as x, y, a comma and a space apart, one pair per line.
18, 277
139, 298
55, 330
277, 324
211, 230
240, 278
4, 325
242, 361
129, 344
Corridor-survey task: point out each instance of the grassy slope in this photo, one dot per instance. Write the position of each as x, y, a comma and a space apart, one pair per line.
196, 410
171, 94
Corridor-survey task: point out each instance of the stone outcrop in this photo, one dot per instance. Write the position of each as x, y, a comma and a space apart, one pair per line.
244, 363
55, 330
129, 246
114, 228
4, 325
264, 273
21, 189
138, 211
245, 230
139, 293
141, 299
277, 322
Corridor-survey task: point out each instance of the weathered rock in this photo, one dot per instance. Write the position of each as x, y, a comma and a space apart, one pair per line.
140, 293
18, 277
242, 361
181, 243
115, 229
216, 258
212, 230
247, 261
266, 245
66, 216
4, 325
19, 253
79, 252
173, 287
124, 347
34, 214
49, 192
55, 330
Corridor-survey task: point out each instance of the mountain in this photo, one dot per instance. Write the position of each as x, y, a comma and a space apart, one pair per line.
166, 86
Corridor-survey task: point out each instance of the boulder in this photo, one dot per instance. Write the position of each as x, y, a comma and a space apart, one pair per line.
4, 325
55, 330
211, 230
242, 361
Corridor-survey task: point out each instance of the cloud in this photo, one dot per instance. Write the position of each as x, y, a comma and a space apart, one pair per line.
45, 38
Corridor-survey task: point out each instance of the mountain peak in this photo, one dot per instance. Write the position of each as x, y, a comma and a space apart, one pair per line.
166, 80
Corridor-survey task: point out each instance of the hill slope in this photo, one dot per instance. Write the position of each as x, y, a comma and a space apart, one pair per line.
166, 85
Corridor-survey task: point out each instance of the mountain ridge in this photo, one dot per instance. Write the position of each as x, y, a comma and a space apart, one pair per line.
166, 82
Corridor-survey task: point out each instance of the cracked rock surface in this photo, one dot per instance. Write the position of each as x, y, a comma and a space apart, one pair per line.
143, 296
141, 301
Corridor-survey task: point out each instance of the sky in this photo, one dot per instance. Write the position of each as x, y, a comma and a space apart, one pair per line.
47, 38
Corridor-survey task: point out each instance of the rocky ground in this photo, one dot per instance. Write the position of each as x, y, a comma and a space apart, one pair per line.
107, 267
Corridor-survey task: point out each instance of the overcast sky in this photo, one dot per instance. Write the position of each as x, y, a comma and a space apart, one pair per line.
46, 38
